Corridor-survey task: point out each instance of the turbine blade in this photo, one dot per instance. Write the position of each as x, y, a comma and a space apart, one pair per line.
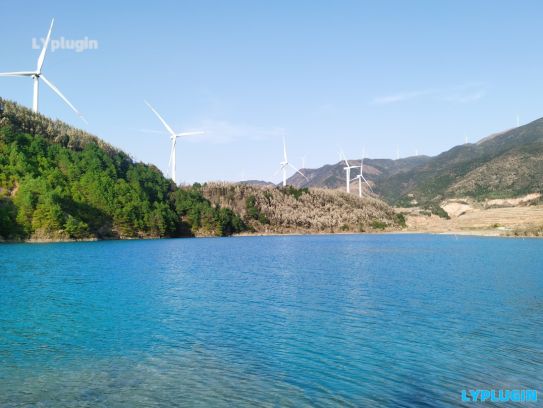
366, 181
190, 133
41, 59
168, 128
17, 74
55, 89
285, 149
344, 158
298, 171
278, 170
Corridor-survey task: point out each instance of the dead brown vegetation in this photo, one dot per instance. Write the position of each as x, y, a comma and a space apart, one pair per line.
272, 209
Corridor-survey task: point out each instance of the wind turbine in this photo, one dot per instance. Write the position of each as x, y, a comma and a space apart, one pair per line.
37, 74
173, 138
285, 164
347, 169
360, 177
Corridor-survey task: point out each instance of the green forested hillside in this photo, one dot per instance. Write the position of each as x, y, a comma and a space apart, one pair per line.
57, 182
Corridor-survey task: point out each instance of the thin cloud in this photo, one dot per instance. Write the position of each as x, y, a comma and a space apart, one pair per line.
465, 98
401, 97
466, 93
154, 131
222, 132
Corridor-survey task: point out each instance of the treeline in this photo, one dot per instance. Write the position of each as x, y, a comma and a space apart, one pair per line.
57, 182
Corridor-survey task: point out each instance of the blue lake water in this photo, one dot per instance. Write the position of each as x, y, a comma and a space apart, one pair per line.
344, 320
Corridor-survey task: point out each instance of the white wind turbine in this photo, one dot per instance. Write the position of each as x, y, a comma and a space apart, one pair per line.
360, 177
347, 169
37, 74
285, 165
173, 138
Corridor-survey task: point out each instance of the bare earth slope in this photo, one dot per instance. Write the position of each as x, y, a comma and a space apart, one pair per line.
510, 217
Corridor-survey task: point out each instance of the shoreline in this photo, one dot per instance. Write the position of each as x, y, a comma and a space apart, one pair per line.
462, 233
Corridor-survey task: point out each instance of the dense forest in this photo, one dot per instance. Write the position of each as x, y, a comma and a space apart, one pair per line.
57, 182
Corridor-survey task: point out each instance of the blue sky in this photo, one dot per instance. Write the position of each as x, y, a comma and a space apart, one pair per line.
421, 75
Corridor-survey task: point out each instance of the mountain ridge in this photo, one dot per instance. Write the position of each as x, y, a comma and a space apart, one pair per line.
502, 165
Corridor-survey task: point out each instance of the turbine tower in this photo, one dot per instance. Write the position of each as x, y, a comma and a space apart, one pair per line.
360, 177
347, 169
284, 165
37, 75
173, 138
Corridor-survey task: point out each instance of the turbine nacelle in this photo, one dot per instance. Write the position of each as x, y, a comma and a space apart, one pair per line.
285, 164
173, 138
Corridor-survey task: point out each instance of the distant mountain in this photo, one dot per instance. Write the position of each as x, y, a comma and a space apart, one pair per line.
502, 165
256, 183
333, 175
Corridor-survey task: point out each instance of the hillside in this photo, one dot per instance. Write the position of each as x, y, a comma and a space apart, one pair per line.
268, 209
508, 164
60, 183
503, 165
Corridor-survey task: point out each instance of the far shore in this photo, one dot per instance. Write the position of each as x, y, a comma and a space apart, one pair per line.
474, 233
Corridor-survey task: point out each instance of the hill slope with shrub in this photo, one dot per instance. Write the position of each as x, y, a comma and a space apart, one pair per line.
60, 183
269, 209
